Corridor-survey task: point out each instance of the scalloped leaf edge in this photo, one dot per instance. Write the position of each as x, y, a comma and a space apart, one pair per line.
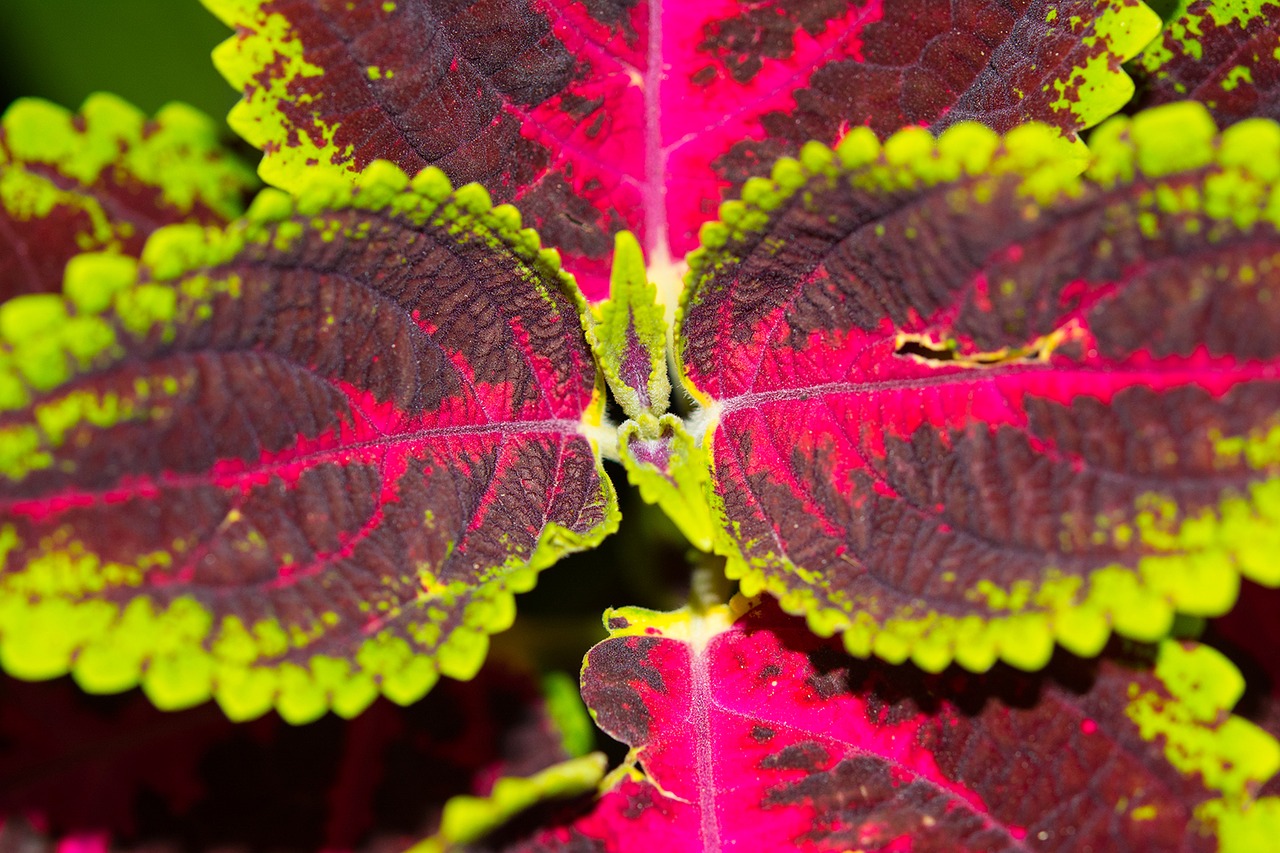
1050, 167
47, 333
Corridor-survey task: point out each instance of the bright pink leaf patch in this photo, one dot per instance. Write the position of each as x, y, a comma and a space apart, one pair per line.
594, 117
760, 736
1010, 395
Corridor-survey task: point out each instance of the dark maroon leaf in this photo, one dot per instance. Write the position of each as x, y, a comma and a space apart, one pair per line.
961, 403
595, 117
297, 462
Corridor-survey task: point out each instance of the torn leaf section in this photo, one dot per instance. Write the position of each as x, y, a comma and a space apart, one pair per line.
665, 463
748, 731
963, 403
299, 461
1223, 53
631, 336
104, 179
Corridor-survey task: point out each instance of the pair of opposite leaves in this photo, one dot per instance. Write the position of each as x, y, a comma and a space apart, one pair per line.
311, 456
798, 293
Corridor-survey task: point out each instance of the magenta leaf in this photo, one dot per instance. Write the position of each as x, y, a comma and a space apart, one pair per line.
299, 461
103, 180
117, 771
960, 404
748, 732
1223, 54
596, 117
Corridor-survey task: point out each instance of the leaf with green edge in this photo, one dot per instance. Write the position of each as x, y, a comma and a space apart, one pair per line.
630, 342
299, 461
468, 819
666, 464
104, 179
596, 117
1223, 53
748, 732
960, 403
631, 335
115, 773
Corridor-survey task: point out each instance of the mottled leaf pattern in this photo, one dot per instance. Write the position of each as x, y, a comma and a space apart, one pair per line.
961, 403
103, 179
749, 733
1223, 53
595, 117
806, 71
114, 773
297, 462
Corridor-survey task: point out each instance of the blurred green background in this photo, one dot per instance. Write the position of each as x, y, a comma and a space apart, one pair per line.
148, 51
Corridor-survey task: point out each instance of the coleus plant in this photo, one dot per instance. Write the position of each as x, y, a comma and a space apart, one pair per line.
977, 404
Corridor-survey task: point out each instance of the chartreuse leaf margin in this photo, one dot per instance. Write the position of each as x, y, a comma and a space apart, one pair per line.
855, 478
630, 339
372, 545
103, 179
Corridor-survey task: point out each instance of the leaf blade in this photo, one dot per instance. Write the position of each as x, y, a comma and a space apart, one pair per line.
747, 730
596, 118
331, 450
884, 325
1221, 54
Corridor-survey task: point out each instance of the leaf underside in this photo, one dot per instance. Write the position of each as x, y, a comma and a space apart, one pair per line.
297, 462
749, 732
103, 180
593, 120
965, 404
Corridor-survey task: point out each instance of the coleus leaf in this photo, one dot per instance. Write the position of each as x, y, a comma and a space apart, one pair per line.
596, 117
631, 336
630, 341
960, 402
114, 773
103, 180
749, 732
1223, 53
297, 461
664, 461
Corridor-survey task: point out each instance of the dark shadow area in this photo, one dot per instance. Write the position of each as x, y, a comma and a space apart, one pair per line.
115, 767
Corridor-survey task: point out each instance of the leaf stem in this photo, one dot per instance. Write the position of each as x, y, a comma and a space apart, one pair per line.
708, 585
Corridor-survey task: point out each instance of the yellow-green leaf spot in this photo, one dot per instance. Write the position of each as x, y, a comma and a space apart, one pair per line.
1229, 753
